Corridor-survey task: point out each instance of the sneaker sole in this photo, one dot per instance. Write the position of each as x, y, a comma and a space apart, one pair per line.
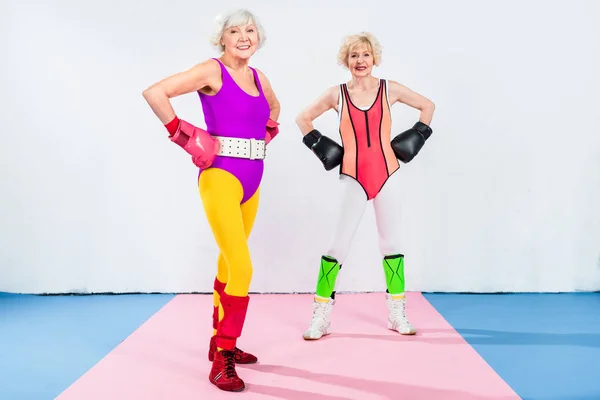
227, 390
390, 327
317, 338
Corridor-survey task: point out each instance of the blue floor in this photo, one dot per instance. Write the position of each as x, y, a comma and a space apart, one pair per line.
545, 346
47, 342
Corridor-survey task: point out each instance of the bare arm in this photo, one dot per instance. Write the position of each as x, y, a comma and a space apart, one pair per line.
270, 95
195, 78
402, 94
325, 102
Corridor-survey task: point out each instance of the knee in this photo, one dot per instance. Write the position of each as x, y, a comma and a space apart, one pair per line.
337, 256
389, 245
221, 261
334, 250
241, 275
239, 281
222, 270
388, 252
245, 274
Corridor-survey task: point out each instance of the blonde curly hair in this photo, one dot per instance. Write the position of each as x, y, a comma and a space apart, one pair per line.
350, 42
235, 18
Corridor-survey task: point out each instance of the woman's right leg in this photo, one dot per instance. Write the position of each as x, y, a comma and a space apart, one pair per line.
218, 288
221, 194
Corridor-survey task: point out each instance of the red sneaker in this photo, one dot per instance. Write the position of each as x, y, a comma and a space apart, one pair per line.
223, 374
240, 356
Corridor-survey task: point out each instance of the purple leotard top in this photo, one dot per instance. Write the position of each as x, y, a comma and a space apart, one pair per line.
234, 113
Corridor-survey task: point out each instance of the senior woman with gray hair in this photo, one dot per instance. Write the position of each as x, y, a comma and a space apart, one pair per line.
240, 111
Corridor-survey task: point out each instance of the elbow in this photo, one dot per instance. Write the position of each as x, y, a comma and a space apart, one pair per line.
427, 111
151, 93
303, 119
275, 108
303, 123
148, 95
276, 105
431, 106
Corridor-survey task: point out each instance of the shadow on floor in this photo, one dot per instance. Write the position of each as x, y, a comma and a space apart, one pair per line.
484, 337
480, 336
492, 337
389, 390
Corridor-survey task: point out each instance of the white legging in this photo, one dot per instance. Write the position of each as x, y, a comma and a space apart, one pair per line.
351, 210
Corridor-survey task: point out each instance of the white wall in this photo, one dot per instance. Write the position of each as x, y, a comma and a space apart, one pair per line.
505, 196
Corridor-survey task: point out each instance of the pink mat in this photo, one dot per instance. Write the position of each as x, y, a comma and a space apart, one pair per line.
166, 358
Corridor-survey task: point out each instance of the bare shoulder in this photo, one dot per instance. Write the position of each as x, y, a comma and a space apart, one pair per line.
400, 93
327, 100
332, 94
203, 70
210, 69
394, 83
203, 75
266, 84
263, 78
261, 74
208, 63
395, 89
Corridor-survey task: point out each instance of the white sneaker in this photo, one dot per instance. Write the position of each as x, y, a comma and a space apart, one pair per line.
320, 323
397, 320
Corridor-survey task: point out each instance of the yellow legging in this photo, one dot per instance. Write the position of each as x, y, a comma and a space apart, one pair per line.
231, 224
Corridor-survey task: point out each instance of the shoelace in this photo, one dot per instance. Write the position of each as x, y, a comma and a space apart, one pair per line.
399, 309
320, 311
229, 357
238, 354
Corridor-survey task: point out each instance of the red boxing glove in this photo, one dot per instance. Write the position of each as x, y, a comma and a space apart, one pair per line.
272, 130
197, 142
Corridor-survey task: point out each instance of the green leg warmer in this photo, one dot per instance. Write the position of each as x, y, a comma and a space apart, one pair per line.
393, 266
327, 276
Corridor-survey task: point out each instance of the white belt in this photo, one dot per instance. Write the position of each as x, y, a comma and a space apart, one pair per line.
251, 149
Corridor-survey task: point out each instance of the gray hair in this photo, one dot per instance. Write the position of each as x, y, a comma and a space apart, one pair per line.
235, 18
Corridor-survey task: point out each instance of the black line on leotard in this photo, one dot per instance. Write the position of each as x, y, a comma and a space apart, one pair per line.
340, 130
384, 182
347, 95
381, 103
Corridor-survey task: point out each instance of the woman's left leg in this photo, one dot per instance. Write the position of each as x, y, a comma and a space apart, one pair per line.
221, 194
387, 217
249, 210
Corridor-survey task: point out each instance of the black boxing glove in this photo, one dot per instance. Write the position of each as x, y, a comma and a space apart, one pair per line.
328, 151
408, 144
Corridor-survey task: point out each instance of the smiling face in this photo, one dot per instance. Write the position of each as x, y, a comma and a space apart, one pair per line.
360, 60
359, 53
240, 41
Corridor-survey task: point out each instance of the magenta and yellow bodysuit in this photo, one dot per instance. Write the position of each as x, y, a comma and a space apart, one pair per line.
230, 190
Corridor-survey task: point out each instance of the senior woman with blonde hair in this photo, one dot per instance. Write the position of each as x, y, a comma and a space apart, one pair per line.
240, 112
368, 160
